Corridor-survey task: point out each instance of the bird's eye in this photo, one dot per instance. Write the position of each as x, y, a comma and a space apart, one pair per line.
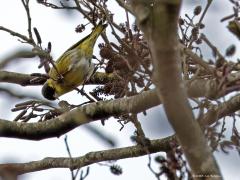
48, 92
60, 80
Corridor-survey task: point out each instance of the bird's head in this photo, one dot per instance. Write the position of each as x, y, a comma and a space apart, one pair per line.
49, 92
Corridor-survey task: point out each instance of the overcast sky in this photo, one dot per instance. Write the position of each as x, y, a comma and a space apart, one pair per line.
59, 28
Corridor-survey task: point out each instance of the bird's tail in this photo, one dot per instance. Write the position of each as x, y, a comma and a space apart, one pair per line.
97, 30
90, 40
87, 43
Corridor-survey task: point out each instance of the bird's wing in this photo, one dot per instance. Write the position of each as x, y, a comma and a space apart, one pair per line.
77, 43
90, 72
62, 66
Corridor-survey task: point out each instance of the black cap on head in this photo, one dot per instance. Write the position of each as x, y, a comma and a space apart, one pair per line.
48, 92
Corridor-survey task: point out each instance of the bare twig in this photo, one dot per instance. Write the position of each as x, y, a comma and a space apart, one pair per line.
26, 6
209, 2
22, 37
70, 156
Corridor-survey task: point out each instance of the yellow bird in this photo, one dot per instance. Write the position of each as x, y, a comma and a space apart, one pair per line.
73, 68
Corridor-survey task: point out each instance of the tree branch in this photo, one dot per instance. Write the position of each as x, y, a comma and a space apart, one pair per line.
26, 6
17, 54
90, 158
79, 116
16, 78
217, 112
159, 24
224, 109
24, 38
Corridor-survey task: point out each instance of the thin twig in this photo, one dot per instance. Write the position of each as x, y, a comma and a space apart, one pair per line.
214, 48
70, 156
26, 6
13, 33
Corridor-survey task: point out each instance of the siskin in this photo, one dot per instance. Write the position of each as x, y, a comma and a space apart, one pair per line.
73, 67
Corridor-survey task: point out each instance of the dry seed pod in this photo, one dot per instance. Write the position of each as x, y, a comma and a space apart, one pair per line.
26, 118
20, 115
80, 28
30, 102
116, 169
180, 21
49, 47
38, 109
18, 108
39, 40
106, 53
197, 10
230, 51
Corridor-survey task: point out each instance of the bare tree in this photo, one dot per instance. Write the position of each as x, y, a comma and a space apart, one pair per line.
156, 61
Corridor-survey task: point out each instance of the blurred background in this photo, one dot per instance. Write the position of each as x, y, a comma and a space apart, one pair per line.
58, 27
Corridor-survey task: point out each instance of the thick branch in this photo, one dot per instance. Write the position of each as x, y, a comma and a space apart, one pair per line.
82, 115
199, 60
224, 109
89, 158
159, 24
16, 78
217, 112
